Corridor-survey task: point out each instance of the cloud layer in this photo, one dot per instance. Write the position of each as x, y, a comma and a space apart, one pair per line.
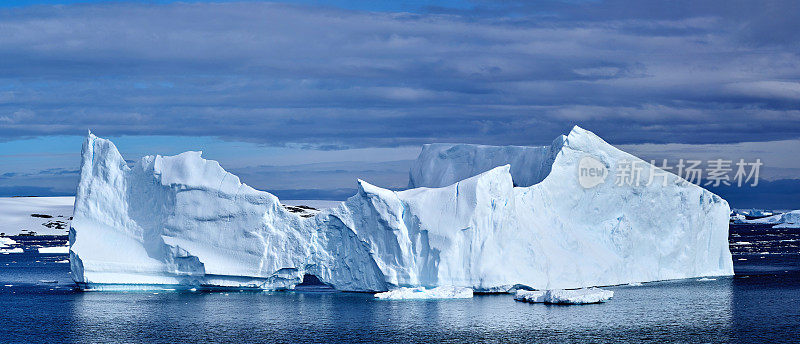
499, 73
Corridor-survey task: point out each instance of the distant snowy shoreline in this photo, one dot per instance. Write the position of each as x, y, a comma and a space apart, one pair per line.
51, 215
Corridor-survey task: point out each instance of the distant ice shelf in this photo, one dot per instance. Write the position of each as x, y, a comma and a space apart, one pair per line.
35, 215
184, 221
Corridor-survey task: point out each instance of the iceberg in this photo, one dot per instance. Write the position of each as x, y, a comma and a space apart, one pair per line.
738, 218
6, 242
751, 214
565, 297
184, 221
789, 219
442, 164
443, 292
531, 296
54, 250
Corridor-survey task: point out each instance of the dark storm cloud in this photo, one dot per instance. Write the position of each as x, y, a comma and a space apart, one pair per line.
510, 73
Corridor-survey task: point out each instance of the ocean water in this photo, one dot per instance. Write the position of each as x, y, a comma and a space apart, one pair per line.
761, 303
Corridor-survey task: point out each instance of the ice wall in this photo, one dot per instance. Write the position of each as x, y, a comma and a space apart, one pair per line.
183, 220
442, 164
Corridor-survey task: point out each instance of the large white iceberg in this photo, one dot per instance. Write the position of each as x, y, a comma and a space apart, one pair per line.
182, 220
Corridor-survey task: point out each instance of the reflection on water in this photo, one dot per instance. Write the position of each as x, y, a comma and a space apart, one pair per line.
685, 310
761, 303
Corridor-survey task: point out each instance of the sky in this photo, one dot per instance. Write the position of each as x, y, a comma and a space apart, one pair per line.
302, 97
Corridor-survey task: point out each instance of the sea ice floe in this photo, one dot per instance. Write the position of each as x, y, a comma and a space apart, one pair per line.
54, 250
565, 297
6, 242
443, 292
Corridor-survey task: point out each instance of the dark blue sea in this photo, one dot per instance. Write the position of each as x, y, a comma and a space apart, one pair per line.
760, 304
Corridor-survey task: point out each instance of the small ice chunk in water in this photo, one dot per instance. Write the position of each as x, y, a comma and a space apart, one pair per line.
54, 250
5, 242
565, 297
532, 296
443, 292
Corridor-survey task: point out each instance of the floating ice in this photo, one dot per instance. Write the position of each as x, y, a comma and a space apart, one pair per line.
183, 220
789, 219
6, 242
443, 292
54, 250
567, 297
11, 250
532, 296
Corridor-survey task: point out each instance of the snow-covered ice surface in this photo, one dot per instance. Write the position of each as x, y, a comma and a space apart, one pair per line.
443, 292
578, 296
532, 296
789, 219
565, 297
11, 250
182, 220
50, 215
